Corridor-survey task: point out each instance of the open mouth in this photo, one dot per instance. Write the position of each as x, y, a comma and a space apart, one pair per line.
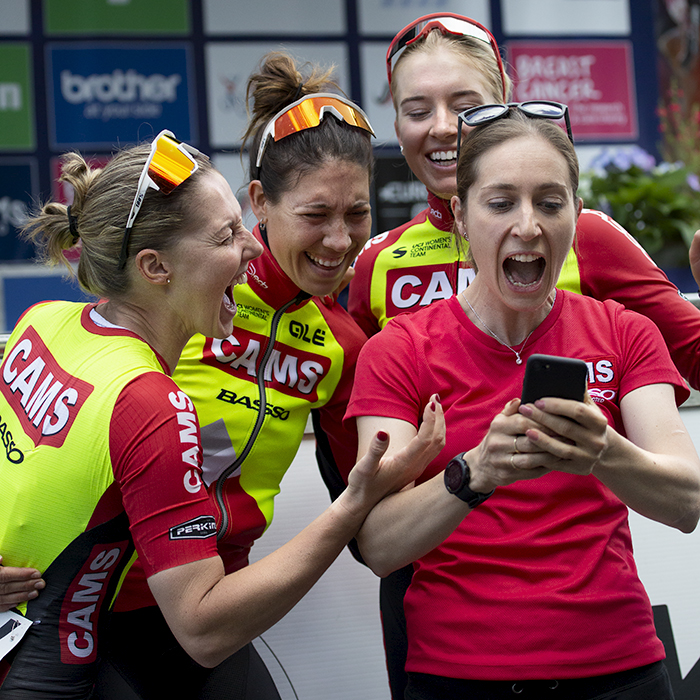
229, 301
326, 263
443, 157
524, 270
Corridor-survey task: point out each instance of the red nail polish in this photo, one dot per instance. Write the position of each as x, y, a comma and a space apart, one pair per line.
381, 435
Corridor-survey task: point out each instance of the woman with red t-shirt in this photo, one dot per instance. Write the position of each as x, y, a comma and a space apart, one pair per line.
524, 580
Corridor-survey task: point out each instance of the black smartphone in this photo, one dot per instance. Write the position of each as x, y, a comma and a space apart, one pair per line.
560, 377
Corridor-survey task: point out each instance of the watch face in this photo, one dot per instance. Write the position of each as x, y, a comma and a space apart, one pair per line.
453, 476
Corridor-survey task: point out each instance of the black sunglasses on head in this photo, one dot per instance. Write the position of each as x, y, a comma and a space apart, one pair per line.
535, 109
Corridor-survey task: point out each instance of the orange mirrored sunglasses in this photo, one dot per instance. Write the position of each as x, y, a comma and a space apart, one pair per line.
168, 165
307, 113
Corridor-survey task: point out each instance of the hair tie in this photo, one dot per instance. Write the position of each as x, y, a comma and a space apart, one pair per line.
73, 225
298, 92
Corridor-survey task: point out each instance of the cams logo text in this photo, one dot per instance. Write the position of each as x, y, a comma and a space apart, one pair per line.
421, 287
83, 602
601, 372
44, 396
189, 440
290, 370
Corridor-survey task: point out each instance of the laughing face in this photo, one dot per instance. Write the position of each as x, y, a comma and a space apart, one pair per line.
520, 217
431, 88
210, 261
316, 229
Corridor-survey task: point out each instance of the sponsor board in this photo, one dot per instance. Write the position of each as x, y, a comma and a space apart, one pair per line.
101, 95
17, 188
389, 16
557, 18
117, 17
16, 97
14, 16
228, 66
286, 18
595, 79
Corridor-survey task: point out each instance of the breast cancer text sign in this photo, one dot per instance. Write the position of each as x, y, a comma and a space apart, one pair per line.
595, 79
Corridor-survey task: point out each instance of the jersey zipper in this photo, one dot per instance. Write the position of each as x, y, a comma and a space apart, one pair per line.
260, 378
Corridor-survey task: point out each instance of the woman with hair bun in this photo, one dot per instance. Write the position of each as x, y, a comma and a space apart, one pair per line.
292, 350
106, 444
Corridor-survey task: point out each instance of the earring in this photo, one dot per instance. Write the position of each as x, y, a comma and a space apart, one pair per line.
401, 149
262, 227
168, 280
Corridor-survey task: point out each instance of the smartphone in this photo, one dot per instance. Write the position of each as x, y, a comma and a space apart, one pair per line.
560, 377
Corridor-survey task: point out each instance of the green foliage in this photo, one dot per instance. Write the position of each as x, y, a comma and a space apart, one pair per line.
658, 204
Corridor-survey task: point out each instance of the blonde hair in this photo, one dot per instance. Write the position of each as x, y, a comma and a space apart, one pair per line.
101, 204
477, 52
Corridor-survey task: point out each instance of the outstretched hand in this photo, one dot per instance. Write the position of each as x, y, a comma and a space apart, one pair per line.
376, 474
18, 585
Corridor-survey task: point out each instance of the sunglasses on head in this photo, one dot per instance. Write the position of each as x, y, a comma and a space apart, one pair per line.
168, 165
535, 109
449, 24
307, 113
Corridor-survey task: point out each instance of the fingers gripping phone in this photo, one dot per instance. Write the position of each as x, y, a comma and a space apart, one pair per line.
559, 377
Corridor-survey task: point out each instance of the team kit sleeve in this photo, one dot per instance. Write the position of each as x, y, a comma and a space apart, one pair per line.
360, 290
156, 457
337, 441
614, 266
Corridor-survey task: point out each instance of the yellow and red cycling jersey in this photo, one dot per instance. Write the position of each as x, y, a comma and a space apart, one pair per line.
289, 355
410, 267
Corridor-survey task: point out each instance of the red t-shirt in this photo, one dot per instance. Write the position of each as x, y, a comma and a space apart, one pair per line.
539, 581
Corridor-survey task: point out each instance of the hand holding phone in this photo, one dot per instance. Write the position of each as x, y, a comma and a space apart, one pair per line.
559, 377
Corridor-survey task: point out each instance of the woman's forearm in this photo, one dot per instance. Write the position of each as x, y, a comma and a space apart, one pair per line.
664, 487
407, 525
213, 615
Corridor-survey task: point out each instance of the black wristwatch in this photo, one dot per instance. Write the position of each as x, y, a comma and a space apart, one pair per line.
457, 478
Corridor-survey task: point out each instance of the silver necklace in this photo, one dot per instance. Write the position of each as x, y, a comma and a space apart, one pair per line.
518, 359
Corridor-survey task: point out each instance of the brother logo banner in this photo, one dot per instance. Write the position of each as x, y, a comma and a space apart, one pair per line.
104, 94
